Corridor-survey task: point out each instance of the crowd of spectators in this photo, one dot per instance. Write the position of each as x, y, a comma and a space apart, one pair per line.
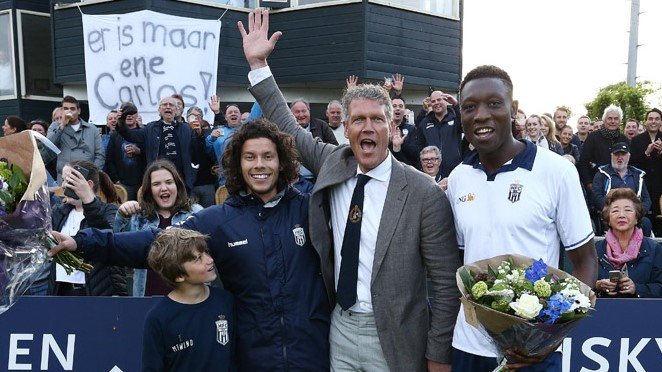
607, 156
140, 178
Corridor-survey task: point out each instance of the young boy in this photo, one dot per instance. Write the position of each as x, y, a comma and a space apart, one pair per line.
192, 328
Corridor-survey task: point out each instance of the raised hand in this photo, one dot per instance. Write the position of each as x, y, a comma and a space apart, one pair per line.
351, 81
397, 138
214, 104
450, 99
398, 83
257, 45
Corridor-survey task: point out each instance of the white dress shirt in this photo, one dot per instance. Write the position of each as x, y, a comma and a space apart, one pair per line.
373, 205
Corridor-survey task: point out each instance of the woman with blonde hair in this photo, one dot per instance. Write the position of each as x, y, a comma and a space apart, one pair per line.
548, 129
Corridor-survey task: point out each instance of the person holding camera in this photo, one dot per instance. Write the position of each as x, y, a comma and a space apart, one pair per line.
630, 264
82, 208
125, 162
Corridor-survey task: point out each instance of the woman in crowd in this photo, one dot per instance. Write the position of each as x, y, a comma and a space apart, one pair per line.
48, 156
39, 126
533, 132
13, 124
548, 129
570, 150
630, 264
82, 209
162, 202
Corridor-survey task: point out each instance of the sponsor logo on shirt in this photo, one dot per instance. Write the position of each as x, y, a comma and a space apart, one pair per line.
182, 345
466, 198
237, 243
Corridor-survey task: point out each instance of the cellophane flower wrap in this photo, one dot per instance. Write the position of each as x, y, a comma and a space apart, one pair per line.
521, 304
23, 230
25, 218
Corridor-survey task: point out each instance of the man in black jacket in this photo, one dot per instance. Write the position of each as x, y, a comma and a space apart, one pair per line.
442, 128
169, 139
318, 128
405, 148
596, 150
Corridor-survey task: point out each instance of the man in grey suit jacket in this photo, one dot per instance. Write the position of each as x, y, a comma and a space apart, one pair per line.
407, 230
76, 139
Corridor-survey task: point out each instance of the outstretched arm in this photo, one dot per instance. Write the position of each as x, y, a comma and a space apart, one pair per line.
257, 47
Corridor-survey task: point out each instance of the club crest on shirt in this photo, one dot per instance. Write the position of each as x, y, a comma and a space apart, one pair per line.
299, 235
355, 214
222, 330
515, 191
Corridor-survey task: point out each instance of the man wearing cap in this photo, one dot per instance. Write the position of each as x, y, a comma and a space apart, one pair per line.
619, 174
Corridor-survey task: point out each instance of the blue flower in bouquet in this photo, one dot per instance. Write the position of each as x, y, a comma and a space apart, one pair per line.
556, 305
536, 272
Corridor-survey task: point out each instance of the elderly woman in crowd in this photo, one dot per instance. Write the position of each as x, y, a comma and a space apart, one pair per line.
630, 264
430, 163
548, 129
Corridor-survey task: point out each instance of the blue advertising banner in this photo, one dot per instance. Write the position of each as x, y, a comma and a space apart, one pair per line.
105, 334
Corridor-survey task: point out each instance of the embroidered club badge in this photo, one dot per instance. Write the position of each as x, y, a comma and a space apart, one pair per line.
515, 192
299, 235
222, 330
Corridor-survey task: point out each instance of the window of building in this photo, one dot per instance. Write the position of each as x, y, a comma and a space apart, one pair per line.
7, 83
238, 3
35, 51
444, 8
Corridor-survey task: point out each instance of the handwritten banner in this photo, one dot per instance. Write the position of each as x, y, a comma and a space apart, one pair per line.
144, 56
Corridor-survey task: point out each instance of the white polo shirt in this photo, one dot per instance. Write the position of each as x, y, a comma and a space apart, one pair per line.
529, 206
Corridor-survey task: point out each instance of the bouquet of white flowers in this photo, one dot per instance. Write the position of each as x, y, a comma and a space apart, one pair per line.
25, 218
522, 305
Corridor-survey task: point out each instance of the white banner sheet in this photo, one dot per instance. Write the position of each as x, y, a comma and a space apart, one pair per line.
144, 56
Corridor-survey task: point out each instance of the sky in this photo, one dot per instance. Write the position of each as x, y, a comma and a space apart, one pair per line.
561, 52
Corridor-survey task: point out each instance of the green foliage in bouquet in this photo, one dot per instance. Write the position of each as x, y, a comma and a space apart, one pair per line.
527, 291
13, 184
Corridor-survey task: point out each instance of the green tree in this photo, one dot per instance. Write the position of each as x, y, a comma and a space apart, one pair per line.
632, 100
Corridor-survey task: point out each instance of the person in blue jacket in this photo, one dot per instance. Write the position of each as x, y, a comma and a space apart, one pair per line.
260, 243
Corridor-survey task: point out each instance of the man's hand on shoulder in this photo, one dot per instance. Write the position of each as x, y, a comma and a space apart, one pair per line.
257, 45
